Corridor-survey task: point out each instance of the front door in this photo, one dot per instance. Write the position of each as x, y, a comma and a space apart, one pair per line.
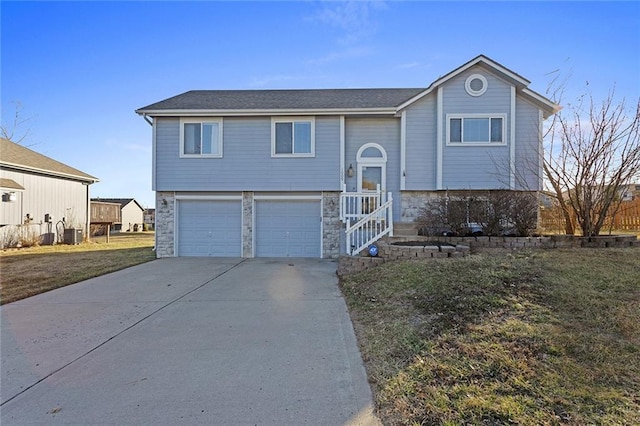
372, 174
372, 168
370, 178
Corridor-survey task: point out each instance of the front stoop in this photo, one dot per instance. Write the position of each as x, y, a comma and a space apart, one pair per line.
404, 229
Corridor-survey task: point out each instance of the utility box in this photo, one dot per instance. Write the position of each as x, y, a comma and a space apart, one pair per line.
72, 236
48, 239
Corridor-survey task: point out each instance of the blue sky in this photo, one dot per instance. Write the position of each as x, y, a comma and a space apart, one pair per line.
80, 69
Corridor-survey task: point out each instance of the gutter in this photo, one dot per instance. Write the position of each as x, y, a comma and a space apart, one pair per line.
264, 112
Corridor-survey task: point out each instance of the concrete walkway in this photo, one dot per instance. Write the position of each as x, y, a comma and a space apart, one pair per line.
186, 341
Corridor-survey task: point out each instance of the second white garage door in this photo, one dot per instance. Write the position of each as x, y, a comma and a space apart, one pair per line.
209, 228
286, 228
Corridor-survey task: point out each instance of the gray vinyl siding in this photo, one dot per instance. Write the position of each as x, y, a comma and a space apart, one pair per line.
247, 164
42, 194
386, 133
528, 171
475, 167
420, 144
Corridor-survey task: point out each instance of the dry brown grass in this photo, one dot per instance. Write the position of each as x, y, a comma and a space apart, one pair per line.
533, 337
30, 271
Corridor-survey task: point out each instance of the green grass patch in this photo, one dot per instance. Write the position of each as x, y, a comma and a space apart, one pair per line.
34, 270
533, 337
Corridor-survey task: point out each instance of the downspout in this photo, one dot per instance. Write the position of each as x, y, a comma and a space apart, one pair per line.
88, 214
147, 119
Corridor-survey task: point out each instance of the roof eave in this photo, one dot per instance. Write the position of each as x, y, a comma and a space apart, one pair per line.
548, 107
264, 112
87, 178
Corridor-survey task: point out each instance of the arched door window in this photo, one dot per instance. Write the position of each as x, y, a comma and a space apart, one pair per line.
372, 167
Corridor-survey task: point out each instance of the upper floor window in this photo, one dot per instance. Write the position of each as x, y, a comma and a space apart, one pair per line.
476, 129
292, 137
201, 138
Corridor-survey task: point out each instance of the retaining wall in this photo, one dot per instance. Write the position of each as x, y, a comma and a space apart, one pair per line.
463, 246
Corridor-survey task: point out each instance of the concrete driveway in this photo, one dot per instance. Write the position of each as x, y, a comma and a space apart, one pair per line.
187, 341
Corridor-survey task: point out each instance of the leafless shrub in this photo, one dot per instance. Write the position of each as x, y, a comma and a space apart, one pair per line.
592, 151
498, 212
19, 236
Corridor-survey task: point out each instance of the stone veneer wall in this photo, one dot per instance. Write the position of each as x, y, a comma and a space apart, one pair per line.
411, 202
164, 224
165, 220
247, 224
331, 225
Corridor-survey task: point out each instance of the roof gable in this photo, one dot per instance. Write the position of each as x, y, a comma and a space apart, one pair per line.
122, 201
327, 101
19, 157
521, 83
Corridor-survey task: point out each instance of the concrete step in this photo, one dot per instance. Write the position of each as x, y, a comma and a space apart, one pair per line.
401, 229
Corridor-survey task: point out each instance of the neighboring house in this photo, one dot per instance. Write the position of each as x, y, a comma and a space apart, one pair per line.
150, 218
131, 213
41, 192
316, 173
630, 192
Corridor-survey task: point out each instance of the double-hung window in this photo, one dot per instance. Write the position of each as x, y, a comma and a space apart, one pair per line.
476, 129
292, 137
201, 138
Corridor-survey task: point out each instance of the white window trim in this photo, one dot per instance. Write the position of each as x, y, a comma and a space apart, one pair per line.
470, 91
488, 116
311, 120
201, 120
372, 162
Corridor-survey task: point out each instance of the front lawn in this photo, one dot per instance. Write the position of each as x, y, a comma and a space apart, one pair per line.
531, 337
30, 271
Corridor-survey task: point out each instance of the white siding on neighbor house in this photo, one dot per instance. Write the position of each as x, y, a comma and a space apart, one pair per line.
386, 133
43, 194
476, 167
132, 215
247, 163
421, 144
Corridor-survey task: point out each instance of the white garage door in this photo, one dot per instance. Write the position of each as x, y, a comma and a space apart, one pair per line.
209, 228
288, 228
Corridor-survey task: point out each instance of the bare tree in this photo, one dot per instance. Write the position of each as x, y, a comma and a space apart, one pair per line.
592, 152
9, 131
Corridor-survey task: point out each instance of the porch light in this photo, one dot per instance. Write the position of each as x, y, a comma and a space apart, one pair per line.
350, 171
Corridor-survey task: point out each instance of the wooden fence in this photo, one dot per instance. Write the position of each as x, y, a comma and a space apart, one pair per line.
627, 218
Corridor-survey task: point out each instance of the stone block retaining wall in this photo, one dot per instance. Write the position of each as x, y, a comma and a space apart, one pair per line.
465, 245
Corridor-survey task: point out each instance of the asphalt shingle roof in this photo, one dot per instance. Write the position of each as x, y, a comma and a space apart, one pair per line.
316, 99
122, 201
326, 100
10, 184
12, 154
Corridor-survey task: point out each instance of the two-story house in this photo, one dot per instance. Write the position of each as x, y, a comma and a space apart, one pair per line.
316, 173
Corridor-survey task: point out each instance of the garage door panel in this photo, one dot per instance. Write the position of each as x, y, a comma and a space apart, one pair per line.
209, 228
288, 228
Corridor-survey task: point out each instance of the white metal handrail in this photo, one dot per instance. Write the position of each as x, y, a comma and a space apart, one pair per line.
356, 205
370, 228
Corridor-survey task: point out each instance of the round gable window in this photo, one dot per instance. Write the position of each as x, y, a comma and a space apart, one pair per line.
476, 85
